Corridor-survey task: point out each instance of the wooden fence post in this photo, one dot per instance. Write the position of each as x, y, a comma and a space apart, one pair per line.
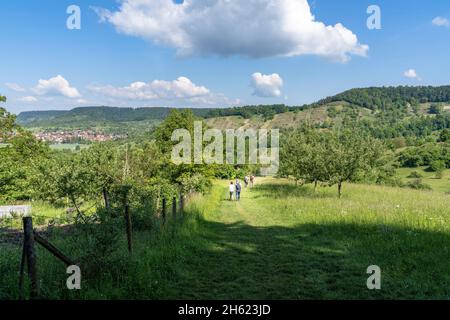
181, 203
129, 228
164, 210
174, 208
106, 199
31, 257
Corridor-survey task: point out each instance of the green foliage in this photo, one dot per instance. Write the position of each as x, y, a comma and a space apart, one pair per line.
385, 98
436, 109
7, 124
303, 155
266, 111
437, 166
444, 135
332, 111
424, 155
418, 184
183, 119
332, 157
415, 175
18, 158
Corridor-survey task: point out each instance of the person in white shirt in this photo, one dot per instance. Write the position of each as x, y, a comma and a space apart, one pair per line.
232, 189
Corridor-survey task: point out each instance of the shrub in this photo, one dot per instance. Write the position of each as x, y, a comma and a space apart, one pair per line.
439, 174
437, 166
94, 245
415, 175
418, 185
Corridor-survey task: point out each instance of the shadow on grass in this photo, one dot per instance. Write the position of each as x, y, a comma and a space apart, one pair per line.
213, 260
291, 190
327, 261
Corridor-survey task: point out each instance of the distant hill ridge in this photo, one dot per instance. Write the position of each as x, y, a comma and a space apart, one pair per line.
373, 98
102, 113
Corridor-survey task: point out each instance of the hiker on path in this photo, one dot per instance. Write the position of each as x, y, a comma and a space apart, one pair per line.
232, 189
238, 190
246, 178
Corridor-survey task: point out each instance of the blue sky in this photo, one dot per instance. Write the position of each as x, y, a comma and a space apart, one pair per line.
185, 60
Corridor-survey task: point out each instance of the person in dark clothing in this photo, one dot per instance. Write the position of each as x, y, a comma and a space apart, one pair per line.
238, 190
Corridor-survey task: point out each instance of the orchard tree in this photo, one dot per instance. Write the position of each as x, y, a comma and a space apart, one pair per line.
302, 156
350, 155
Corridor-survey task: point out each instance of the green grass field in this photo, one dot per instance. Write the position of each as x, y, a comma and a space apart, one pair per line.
279, 242
44, 213
442, 184
68, 146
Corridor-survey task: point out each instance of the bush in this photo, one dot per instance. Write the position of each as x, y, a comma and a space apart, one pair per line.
439, 174
415, 175
437, 166
436, 109
97, 243
418, 185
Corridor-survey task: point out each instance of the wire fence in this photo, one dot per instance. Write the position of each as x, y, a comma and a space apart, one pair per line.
29, 237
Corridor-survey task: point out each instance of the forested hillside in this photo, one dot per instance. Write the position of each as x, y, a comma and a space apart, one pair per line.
387, 97
386, 103
84, 117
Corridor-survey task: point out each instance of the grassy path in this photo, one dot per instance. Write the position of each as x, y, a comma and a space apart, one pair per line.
280, 241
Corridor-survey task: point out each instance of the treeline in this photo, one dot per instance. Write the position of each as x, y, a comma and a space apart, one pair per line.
88, 116
436, 156
266, 111
418, 127
384, 98
83, 116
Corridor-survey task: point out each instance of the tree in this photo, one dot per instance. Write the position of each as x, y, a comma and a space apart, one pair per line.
18, 158
349, 155
333, 157
7, 122
444, 135
436, 109
175, 120
437, 166
302, 154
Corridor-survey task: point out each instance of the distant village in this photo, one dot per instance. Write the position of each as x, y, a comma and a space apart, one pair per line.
76, 136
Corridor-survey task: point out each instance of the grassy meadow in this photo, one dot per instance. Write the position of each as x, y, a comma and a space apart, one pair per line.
438, 184
68, 146
279, 242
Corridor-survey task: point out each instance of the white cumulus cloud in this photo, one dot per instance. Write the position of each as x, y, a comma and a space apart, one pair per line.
15, 87
56, 86
411, 73
181, 89
28, 99
252, 28
267, 85
441, 22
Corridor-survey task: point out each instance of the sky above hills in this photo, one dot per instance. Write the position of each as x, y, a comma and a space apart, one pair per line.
214, 53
